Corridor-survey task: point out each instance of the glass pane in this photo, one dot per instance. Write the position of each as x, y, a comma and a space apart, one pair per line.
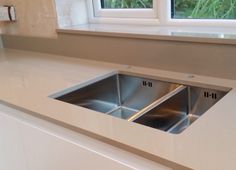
204, 9
124, 4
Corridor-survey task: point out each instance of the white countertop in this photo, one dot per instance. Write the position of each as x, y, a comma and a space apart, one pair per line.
28, 78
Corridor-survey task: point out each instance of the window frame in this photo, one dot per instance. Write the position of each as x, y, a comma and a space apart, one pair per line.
98, 16
198, 22
124, 13
159, 16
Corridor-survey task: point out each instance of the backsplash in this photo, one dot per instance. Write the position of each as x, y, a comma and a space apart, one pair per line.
217, 60
35, 18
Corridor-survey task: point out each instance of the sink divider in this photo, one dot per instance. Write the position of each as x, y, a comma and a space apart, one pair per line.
189, 100
156, 103
118, 89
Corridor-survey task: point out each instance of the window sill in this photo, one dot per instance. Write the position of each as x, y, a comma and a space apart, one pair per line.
187, 34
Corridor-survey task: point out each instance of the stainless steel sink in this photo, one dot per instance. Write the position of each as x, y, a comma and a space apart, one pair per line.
119, 95
162, 105
180, 110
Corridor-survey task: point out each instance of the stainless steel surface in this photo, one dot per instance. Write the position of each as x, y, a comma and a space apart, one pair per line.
139, 92
183, 124
123, 112
181, 110
156, 103
119, 95
168, 113
162, 105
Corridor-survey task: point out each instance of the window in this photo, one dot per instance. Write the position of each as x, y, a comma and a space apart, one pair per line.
119, 4
165, 12
125, 8
204, 9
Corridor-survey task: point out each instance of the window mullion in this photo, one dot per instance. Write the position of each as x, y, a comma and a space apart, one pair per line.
164, 11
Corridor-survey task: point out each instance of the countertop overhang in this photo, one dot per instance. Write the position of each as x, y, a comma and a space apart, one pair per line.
29, 78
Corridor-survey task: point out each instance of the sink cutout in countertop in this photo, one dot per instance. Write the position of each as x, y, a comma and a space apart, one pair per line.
166, 106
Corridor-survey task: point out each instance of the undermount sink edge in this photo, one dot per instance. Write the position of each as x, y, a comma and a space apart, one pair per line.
159, 104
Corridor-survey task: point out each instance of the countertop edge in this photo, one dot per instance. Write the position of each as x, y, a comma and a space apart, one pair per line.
136, 34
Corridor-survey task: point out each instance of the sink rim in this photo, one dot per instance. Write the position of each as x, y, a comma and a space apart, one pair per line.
117, 73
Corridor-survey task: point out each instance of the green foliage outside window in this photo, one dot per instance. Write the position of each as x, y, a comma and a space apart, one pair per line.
190, 9
126, 3
205, 9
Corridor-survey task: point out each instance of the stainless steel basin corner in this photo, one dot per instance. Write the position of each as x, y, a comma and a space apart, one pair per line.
162, 105
166, 114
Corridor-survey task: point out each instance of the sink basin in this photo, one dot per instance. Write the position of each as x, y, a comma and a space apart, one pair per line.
119, 95
180, 110
166, 106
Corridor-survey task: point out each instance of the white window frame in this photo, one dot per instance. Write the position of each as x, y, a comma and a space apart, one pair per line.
160, 15
124, 13
122, 16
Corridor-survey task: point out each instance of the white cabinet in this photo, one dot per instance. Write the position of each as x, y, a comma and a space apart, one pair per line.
28, 143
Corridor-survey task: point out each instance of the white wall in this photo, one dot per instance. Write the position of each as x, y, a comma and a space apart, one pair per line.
72, 12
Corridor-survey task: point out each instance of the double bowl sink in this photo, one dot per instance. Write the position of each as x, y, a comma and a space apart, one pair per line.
166, 106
